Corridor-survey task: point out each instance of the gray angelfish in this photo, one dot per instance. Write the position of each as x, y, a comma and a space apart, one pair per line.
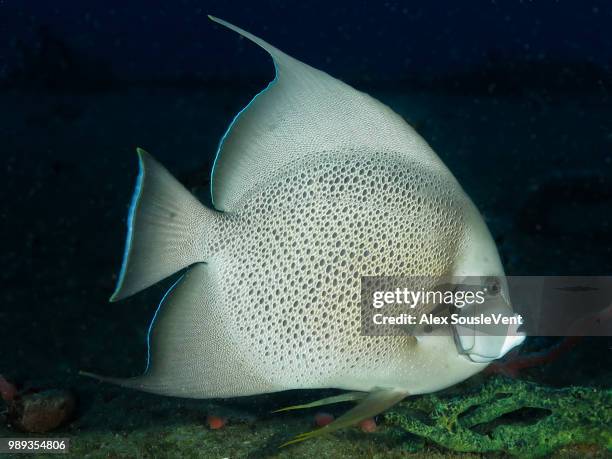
315, 184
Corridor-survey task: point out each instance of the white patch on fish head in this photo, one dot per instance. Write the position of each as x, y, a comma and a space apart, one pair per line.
438, 365
480, 257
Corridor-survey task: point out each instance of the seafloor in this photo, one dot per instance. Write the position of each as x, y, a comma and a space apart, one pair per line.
538, 165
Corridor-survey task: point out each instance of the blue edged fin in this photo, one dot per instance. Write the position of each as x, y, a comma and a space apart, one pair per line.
168, 229
303, 113
191, 353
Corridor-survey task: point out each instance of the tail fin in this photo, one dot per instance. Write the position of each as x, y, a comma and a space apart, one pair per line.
168, 229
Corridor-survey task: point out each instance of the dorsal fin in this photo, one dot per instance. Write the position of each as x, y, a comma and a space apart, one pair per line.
302, 111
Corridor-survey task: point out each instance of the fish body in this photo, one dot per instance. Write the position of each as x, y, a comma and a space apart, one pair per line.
290, 264
314, 186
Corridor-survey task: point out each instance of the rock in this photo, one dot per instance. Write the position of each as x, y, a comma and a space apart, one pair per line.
8, 391
215, 422
368, 425
42, 411
322, 419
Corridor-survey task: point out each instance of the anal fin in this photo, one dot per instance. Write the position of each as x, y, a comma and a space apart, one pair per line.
191, 353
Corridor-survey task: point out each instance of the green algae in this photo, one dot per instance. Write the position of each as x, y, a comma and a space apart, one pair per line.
509, 416
118, 423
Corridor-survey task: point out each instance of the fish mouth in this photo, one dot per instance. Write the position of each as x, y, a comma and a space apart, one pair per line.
482, 348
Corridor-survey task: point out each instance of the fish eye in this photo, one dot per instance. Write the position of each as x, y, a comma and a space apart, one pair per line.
492, 286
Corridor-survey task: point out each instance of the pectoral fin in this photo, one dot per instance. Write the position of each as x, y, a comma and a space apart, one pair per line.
348, 397
374, 403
